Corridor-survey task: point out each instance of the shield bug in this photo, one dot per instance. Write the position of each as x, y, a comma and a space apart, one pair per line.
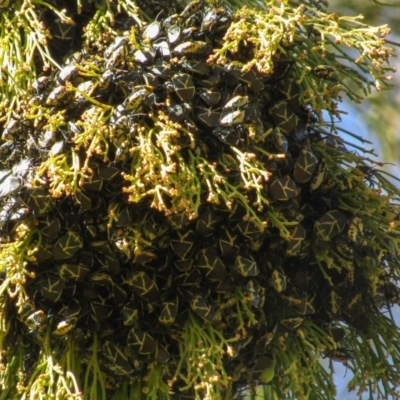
57, 148
246, 265
93, 183
284, 117
391, 293
178, 221
208, 261
305, 305
280, 140
10, 185
319, 177
297, 238
335, 143
190, 279
344, 248
83, 91
138, 96
250, 228
63, 30
82, 200
118, 295
178, 112
101, 279
47, 138
100, 308
64, 327
233, 118
174, 34
11, 129
189, 47
105, 80
182, 243
67, 74
102, 247
207, 222
356, 227
38, 200
44, 251
305, 166
36, 320
41, 84
144, 257
289, 90
210, 97
58, 95
108, 173
25, 310
228, 242
162, 355
119, 124
51, 287
212, 80
208, 117
173, 19
117, 43
169, 310
392, 213
67, 246
336, 333
69, 290
252, 80
145, 56
283, 189
183, 264
71, 310
254, 293
332, 303
215, 19
183, 86
152, 31
201, 307
329, 184
326, 72
163, 49
199, 67
73, 271
123, 217
117, 358
236, 102
117, 57
144, 286
232, 70
330, 224
141, 341
279, 280
74, 129
192, 8
340, 354
130, 313
269, 336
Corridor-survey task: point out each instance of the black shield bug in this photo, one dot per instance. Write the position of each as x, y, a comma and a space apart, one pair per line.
183, 86
305, 166
283, 189
330, 224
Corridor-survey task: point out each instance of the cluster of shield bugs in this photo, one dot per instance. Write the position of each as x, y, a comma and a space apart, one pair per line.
133, 275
